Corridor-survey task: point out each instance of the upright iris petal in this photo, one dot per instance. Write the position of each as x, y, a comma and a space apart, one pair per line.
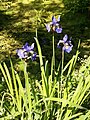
28, 48
58, 18
65, 38
54, 21
32, 47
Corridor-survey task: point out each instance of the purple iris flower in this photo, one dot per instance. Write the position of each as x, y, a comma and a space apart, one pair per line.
66, 44
27, 50
54, 25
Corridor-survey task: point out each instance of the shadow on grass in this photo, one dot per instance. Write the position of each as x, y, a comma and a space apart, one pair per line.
5, 20
20, 21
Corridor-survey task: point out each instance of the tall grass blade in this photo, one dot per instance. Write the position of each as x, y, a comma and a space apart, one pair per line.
9, 78
44, 81
7, 81
15, 87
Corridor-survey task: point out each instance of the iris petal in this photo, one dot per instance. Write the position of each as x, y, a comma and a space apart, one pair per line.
26, 47
67, 49
58, 18
32, 46
21, 53
48, 27
65, 38
33, 57
58, 30
54, 21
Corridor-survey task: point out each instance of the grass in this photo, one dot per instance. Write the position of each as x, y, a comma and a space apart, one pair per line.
47, 98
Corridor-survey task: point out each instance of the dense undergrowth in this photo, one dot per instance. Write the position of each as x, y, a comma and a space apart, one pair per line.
53, 96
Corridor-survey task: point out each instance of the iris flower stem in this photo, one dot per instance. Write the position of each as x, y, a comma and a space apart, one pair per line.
62, 60
36, 32
62, 73
53, 53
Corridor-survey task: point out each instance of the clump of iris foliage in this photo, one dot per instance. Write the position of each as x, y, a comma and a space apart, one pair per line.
55, 96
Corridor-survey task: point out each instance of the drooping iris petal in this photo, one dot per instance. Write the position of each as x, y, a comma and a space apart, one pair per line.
58, 30
68, 48
60, 42
48, 27
21, 53
58, 45
65, 38
33, 57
